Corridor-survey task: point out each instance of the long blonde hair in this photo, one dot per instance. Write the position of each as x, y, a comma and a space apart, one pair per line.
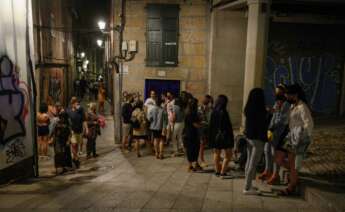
92, 107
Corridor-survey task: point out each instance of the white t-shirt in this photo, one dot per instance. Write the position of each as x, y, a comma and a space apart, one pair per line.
149, 104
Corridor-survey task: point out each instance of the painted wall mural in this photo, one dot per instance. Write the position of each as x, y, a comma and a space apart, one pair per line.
308, 61
13, 110
16, 99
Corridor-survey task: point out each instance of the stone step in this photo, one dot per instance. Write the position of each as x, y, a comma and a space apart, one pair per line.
328, 198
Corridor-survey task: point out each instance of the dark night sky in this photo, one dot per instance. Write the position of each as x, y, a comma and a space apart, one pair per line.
90, 11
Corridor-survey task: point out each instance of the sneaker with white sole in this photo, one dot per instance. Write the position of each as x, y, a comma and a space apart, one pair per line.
251, 192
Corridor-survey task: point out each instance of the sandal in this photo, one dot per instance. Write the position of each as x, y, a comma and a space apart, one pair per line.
286, 192
264, 176
198, 167
274, 180
191, 169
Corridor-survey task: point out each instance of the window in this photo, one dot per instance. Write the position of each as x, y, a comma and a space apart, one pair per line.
162, 35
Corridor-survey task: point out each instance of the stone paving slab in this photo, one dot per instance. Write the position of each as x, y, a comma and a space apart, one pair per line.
123, 182
126, 186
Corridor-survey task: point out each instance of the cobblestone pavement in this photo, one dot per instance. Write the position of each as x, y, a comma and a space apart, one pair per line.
326, 158
123, 182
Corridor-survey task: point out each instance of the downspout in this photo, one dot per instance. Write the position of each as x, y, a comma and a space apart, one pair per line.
40, 52
122, 27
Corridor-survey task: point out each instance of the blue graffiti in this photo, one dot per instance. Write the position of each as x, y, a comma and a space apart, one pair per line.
318, 75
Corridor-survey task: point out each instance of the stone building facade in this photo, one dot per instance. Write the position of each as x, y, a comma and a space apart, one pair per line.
192, 66
54, 55
229, 47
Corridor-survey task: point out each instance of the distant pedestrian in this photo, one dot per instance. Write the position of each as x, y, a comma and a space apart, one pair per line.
299, 137
221, 135
204, 111
126, 113
256, 125
43, 122
61, 134
139, 124
101, 97
94, 130
191, 139
82, 87
155, 117
79, 127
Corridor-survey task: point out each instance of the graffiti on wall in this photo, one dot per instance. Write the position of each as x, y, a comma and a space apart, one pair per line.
55, 88
13, 111
319, 75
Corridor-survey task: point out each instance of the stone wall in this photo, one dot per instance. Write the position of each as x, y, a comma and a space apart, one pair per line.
193, 46
227, 59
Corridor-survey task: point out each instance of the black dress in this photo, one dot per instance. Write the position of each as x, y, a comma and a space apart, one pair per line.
191, 139
61, 133
221, 135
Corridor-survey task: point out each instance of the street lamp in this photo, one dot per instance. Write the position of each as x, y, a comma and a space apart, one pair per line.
99, 42
126, 53
82, 55
102, 25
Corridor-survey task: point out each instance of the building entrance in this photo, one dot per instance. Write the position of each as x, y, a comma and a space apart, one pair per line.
161, 86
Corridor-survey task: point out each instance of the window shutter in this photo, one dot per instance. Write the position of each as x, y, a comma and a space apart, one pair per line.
170, 35
162, 35
154, 36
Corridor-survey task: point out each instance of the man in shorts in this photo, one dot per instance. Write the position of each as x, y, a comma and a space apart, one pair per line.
77, 117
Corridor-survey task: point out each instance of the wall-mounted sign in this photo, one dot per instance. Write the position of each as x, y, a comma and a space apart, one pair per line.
161, 73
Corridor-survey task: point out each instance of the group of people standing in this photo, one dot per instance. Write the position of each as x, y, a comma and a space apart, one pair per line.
65, 129
281, 134
182, 123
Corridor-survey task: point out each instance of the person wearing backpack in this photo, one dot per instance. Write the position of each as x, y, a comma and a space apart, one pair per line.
221, 136
139, 125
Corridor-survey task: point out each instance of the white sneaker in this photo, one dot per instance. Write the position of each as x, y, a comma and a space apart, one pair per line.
251, 192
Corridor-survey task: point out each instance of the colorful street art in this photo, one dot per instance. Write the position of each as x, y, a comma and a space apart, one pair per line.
17, 116
12, 101
318, 75
310, 55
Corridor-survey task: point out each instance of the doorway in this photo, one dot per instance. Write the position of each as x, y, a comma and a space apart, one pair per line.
161, 86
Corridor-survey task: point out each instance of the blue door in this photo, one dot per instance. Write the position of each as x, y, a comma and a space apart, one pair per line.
161, 86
